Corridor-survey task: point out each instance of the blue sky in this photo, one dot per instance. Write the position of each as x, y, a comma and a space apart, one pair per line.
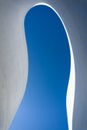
44, 103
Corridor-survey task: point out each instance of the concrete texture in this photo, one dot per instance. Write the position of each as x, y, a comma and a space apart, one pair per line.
13, 55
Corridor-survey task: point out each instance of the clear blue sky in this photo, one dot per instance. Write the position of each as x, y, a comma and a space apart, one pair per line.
44, 103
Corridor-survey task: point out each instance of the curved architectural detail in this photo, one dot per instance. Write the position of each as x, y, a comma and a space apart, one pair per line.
70, 98
11, 31
71, 84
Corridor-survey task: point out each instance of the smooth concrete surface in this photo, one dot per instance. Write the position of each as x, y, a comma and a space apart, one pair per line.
12, 14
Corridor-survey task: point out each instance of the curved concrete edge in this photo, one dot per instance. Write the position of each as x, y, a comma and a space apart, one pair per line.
71, 85
73, 14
